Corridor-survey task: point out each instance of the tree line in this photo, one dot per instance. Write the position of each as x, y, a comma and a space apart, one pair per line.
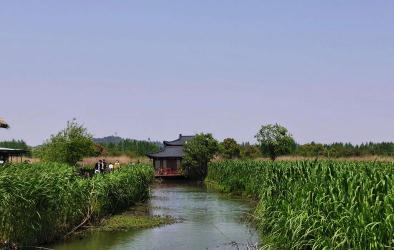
115, 146
74, 142
345, 149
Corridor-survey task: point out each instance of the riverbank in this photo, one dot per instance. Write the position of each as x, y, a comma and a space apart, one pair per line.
124, 222
138, 216
130, 222
205, 220
315, 204
50, 201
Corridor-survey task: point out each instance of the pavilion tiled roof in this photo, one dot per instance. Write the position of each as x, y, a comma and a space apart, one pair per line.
172, 149
168, 151
180, 141
12, 151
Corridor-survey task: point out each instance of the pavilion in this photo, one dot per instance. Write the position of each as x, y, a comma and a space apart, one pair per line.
8, 154
168, 161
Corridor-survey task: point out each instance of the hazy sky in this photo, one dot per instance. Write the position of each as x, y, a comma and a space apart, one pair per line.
154, 69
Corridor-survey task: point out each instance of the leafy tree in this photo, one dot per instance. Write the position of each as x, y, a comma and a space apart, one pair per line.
339, 149
230, 148
99, 150
249, 151
116, 146
69, 146
311, 150
275, 140
198, 153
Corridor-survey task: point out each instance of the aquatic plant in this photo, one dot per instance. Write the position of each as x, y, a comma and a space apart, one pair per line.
315, 204
42, 202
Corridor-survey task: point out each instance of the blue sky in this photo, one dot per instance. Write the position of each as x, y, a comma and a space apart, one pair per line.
154, 69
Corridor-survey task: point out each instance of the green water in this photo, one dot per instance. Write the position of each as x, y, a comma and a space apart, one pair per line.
209, 221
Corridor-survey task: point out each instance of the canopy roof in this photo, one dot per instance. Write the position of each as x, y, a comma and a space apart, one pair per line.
11, 151
168, 152
172, 149
3, 124
180, 141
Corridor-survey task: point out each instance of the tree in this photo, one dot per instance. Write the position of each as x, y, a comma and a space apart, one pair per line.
311, 150
249, 151
198, 153
69, 146
230, 148
275, 140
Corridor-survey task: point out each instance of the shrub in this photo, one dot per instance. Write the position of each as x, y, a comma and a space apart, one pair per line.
230, 149
275, 140
42, 202
68, 146
198, 153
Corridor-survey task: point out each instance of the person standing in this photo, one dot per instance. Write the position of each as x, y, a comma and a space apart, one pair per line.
97, 167
104, 166
117, 164
110, 167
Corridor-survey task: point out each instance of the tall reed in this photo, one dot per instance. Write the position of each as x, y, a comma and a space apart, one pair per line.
316, 204
41, 202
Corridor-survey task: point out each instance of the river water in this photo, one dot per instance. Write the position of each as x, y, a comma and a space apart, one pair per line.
209, 220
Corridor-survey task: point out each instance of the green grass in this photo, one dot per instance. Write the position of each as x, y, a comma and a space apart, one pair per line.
315, 204
128, 222
42, 202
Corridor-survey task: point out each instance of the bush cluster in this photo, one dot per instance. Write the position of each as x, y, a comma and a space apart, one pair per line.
345, 149
42, 202
128, 147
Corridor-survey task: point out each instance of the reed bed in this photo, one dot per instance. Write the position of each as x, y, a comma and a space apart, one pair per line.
315, 204
40, 203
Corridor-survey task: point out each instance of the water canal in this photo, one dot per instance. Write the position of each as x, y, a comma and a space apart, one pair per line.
209, 221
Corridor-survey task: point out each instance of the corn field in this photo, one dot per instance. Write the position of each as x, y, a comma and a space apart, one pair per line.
315, 204
42, 202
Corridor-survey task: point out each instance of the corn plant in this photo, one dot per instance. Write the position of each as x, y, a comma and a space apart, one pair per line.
316, 204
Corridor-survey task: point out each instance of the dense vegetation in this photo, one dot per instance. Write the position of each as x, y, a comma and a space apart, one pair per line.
230, 149
115, 146
315, 204
133, 147
68, 146
198, 151
345, 149
42, 202
249, 151
275, 140
334, 150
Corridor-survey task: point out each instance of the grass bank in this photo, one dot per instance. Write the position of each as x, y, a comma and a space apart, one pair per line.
40, 203
315, 204
128, 222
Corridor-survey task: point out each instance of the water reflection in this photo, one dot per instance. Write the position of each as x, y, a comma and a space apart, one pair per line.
210, 221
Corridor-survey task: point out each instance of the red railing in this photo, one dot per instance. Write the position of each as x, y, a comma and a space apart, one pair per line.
167, 172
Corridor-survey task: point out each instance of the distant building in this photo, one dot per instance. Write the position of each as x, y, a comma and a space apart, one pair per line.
8, 154
168, 161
